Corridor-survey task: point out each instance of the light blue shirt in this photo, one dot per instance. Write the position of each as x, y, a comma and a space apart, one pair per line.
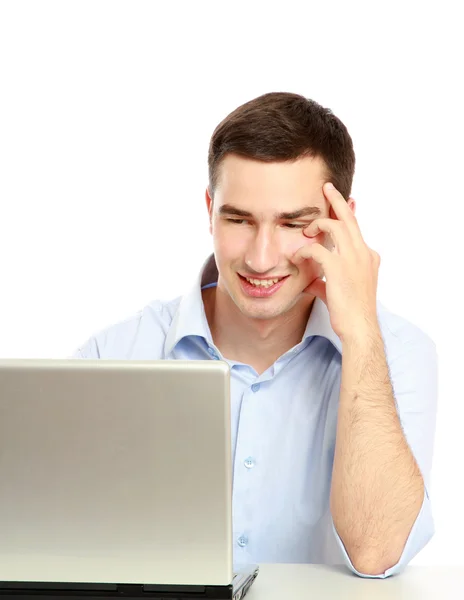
284, 421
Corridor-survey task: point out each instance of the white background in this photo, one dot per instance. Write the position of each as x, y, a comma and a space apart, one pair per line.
106, 111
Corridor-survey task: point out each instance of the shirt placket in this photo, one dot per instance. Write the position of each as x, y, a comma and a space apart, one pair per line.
247, 461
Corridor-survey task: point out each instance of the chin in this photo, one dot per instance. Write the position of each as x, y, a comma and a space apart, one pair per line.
261, 314
270, 310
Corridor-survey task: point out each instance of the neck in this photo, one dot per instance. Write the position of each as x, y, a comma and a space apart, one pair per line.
257, 342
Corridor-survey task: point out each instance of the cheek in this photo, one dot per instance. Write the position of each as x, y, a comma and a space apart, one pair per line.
291, 244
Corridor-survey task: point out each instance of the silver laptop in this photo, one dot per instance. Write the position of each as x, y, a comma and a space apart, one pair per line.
116, 480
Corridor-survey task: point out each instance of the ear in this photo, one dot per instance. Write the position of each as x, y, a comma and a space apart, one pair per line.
352, 205
209, 206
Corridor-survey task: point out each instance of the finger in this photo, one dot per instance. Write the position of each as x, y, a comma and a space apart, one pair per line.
337, 201
336, 230
317, 252
341, 208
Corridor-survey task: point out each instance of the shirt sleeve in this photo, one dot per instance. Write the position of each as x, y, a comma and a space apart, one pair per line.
414, 377
89, 350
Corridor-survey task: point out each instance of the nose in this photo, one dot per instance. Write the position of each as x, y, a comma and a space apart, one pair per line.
263, 251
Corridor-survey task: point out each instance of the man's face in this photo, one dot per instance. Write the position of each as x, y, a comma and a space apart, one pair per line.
252, 237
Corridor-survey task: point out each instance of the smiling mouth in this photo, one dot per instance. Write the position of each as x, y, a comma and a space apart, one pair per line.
263, 283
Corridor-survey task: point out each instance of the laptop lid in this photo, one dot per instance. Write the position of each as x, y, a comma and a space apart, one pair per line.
115, 472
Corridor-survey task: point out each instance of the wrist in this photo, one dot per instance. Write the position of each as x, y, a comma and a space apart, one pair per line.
362, 335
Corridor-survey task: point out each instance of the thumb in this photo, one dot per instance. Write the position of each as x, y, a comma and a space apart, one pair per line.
318, 288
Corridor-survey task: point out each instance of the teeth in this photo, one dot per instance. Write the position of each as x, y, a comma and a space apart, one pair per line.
263, 282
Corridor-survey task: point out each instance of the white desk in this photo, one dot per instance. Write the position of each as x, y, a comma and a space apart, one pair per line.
321, 582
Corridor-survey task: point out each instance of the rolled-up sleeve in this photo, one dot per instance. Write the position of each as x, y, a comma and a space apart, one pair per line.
414, 376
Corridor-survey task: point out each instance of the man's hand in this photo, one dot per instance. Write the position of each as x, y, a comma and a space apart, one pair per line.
350, 269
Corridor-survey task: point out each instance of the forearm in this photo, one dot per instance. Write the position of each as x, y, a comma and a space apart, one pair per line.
377, 488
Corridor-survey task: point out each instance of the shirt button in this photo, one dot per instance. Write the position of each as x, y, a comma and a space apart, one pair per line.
213, 353
255, 387
242, 541
249, 462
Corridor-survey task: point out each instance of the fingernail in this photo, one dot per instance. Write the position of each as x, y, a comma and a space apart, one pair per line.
330, 186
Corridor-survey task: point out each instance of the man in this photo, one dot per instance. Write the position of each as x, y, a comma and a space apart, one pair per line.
333, 397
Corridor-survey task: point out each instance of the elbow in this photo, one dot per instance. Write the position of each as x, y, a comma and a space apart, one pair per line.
372, 565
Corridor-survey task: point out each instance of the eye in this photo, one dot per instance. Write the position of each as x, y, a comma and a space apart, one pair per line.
237, 221
286, 225
295, 225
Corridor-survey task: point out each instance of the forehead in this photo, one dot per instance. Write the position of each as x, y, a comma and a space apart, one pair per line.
258, 186
255, 174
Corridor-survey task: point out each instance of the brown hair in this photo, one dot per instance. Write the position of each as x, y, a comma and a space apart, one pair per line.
281, 126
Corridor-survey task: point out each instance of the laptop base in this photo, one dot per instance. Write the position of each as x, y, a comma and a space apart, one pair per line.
98, 591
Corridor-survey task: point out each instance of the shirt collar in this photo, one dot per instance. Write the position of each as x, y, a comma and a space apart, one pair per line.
190, 318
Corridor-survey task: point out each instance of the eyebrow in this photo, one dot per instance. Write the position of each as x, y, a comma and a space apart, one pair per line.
228, 209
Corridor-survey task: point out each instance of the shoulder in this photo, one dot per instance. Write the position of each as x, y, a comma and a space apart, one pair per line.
403, 339
138, 337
